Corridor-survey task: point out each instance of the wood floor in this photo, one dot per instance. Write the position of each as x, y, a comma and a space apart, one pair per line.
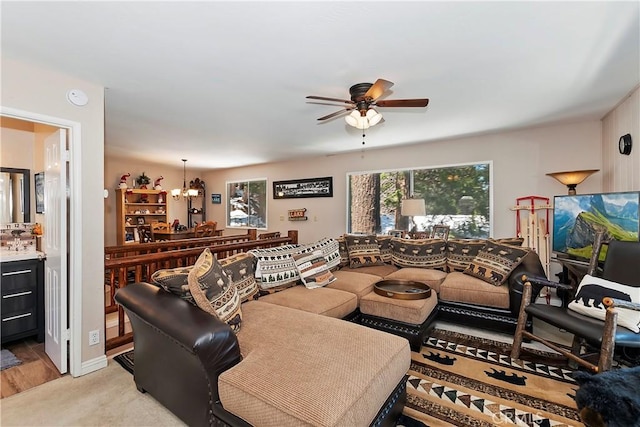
36, 368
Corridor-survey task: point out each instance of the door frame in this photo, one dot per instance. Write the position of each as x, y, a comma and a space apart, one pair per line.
74, 245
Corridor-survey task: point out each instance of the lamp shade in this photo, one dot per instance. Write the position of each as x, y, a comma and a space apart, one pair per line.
572, 178
413, 207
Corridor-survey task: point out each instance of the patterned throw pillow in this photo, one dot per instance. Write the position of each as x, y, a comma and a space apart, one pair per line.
421, 253
588, 300
513, 241
460, 253
313, 269
495, 262
386, 250
330, 250
213, 292
174, 280
275, 269
363, 251
239, 268
344, 252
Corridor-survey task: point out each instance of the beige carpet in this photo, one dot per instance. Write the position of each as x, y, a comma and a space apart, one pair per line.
107, 397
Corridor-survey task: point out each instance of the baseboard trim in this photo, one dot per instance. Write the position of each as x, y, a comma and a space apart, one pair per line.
93, 365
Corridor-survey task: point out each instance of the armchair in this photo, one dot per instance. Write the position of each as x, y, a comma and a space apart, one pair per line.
622, 266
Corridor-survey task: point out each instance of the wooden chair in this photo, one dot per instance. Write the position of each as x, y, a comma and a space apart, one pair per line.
144, 233
272, 235
621, 265
205, 229
158, 226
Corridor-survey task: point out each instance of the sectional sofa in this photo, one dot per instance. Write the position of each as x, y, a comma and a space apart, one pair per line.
277, 352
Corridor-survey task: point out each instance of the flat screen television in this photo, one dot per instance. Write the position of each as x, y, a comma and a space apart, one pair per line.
576, 217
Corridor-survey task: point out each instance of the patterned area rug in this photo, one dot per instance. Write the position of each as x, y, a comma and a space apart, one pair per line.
460, 380
125, 360
8, 359
465, 381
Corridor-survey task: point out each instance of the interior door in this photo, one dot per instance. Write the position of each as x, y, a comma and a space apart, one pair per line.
55, 243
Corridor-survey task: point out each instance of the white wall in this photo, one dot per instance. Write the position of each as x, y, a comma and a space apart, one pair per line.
622, 172
37, 90
520, 161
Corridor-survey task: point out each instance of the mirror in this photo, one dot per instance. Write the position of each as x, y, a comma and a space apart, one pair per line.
15, 194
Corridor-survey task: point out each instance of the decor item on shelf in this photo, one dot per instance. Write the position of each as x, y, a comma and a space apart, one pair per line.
196, 184
412, 208
162, 196
572, 178
123, 181
156, 183
143, 180
185, 192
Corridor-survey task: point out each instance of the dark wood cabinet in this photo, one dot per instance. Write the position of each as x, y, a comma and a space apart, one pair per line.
22, 299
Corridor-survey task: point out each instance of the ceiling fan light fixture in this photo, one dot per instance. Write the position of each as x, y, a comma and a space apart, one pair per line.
352, 118
374, 117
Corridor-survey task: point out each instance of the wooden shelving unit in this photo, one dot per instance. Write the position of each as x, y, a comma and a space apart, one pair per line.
141, 207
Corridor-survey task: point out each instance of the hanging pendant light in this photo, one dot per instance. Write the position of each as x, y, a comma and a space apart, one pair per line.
185, 192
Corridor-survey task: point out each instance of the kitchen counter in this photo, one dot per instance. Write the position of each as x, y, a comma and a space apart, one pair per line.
8, 256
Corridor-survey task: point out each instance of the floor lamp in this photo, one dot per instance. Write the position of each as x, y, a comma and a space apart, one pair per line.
412, 208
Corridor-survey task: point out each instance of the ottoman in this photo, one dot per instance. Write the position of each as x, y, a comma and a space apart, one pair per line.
410, 319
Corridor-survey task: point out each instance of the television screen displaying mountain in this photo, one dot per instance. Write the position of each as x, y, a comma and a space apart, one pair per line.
577, 218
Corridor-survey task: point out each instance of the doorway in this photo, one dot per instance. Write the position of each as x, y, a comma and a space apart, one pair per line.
71, 317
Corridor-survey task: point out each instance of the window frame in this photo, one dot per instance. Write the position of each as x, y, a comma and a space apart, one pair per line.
262, 196
489, 163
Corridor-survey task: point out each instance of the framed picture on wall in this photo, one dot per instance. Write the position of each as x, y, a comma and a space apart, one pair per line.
299, 188
39, 185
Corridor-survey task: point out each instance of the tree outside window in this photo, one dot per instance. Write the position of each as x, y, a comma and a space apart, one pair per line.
247, 204
457, 196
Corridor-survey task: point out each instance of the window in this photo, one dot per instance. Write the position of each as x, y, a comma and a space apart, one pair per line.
456, 196
247, 204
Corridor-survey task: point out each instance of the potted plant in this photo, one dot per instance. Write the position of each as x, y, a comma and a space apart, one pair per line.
143, 180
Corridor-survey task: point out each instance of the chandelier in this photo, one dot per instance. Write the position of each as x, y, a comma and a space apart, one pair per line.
184, 192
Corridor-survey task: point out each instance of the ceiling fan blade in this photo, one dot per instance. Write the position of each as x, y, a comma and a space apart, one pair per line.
423, 102
337, 113
323, 98
378, 88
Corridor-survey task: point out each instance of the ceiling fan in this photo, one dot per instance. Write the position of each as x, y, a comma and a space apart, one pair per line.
364, 96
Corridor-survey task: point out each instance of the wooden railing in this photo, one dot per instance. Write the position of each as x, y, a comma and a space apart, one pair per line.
120, 271
171, 245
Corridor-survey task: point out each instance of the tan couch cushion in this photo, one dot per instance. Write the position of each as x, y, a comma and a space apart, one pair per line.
431, 277
408, 311
282, 381
328, 302
460, 287
358, 283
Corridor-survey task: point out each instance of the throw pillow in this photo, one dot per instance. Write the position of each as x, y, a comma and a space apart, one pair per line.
240, 270
363, 251
344, 252
420, 253
386, 250
330, 250
460, 253
275, 268
495, 262
513, 241
213, 292
592, 290
313, 269
174, 280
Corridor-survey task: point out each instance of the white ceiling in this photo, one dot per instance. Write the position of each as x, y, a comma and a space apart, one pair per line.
223, 84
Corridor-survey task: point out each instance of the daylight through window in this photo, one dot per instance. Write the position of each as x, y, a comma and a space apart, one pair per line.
247, 204
456, 196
